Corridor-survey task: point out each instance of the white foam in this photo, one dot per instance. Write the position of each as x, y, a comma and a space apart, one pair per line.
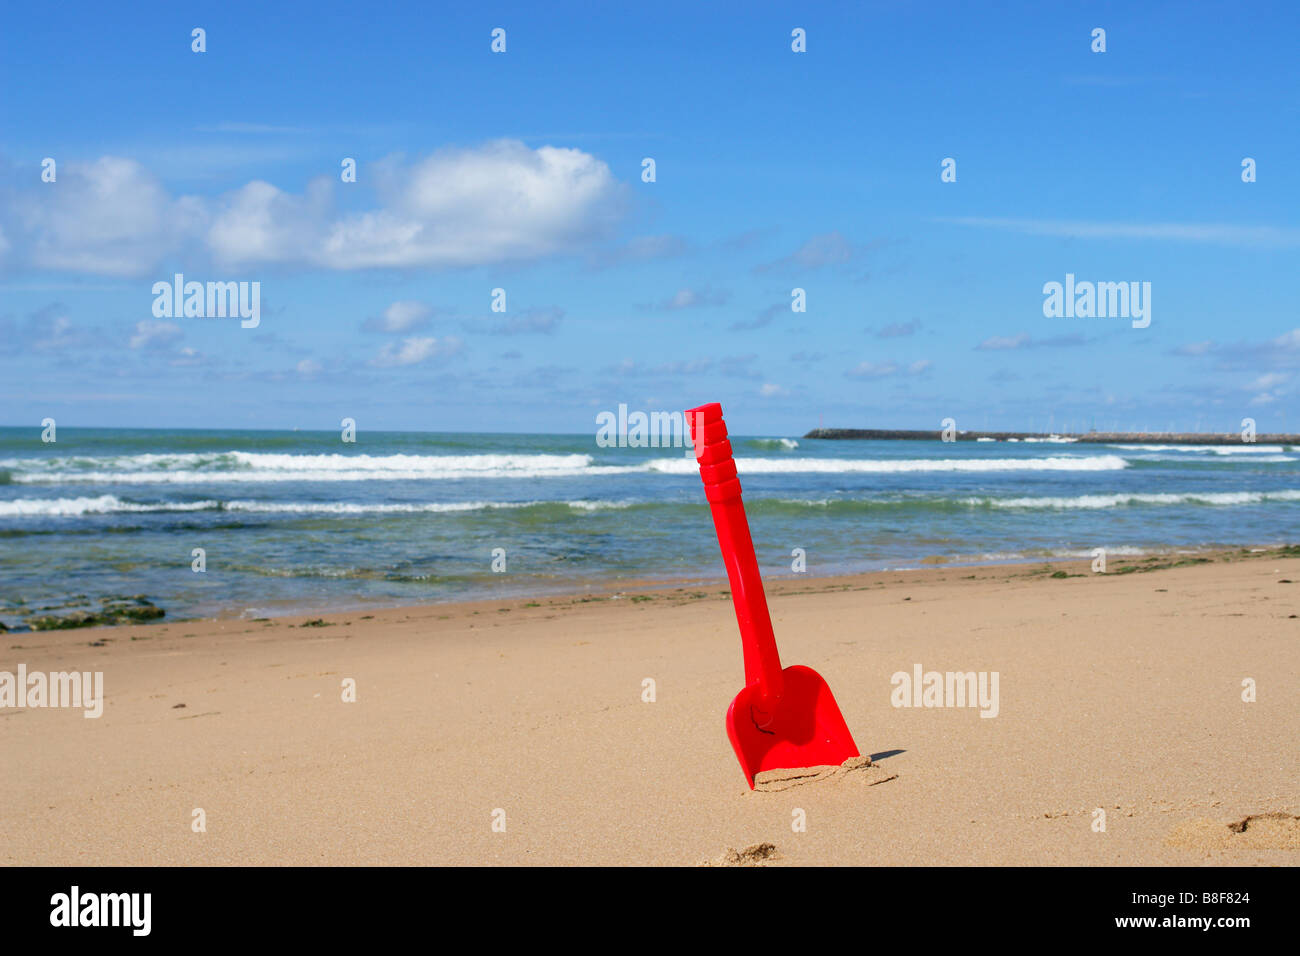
111, 504
1211, 449
102, 504
256, 467
1221, 498
764, 466
249, 467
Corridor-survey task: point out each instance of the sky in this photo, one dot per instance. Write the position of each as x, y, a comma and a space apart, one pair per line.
774, 170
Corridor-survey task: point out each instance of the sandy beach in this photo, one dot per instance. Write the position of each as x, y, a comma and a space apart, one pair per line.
1121, 692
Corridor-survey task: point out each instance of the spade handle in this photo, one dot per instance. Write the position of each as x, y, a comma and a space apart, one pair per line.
722, 488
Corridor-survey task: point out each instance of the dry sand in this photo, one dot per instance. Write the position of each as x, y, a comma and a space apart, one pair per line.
1120, 692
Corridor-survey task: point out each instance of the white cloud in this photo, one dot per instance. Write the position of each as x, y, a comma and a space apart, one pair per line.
404, 316
873, 369
260, 223
110, 217
308, 367
827, 249
150, 334
58, 332
886, 369
1178, 231
769, 390
463, 207
500, 202
414, 350
1004, 342
1267, 381
1288, 340
687, 298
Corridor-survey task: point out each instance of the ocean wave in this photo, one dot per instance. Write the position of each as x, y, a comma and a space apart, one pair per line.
940, 503
99, 505
111, 504
248, 467
1219, 498
1208, 449
783, 444
768, 466
430, 507
251, 467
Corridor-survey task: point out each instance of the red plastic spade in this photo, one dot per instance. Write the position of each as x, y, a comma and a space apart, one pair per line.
782, 719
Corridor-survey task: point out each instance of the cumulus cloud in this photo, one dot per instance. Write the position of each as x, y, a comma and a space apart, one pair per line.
1268, 380
1288, 340
186, 356
260, 223
500, 202
153, 334
455, 208
110, 217
405, 316
413, 351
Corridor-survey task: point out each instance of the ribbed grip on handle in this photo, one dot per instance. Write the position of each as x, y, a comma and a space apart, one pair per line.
722, 488
713, 452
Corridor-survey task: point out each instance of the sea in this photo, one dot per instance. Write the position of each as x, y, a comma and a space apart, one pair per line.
295, 521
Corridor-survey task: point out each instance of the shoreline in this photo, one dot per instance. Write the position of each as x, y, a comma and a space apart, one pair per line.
649, 588
607, 589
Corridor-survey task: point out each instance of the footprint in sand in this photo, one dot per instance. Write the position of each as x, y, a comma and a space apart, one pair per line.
1264, 831
759, 854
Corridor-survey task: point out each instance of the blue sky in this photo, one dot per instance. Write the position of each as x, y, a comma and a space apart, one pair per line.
774, 170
